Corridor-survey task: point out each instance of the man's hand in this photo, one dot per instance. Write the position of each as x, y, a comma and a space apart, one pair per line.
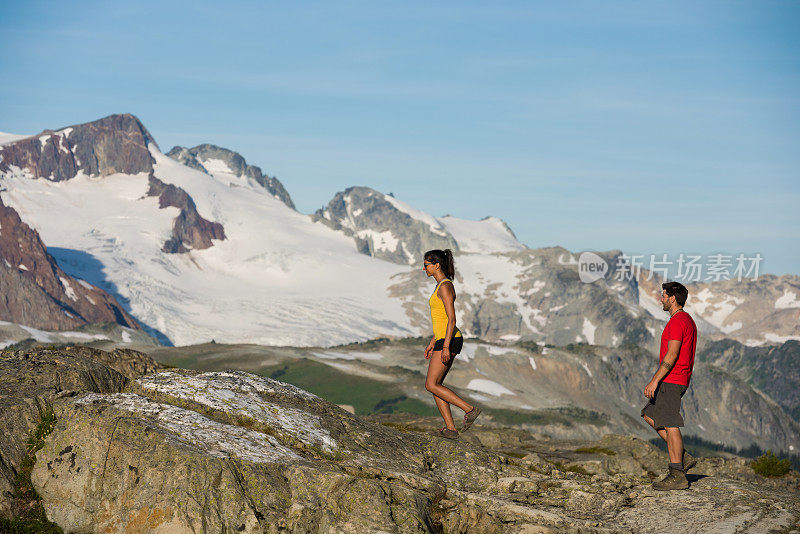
445, 355
429, 350
650, 389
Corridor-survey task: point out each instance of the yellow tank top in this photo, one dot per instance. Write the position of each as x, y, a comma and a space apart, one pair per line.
439, 314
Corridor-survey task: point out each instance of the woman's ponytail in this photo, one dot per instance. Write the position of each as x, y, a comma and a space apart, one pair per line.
445, 260
449, 265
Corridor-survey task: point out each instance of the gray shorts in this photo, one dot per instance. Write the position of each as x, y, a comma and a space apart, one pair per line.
665, 407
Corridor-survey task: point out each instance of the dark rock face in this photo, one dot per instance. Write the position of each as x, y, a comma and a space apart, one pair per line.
194, 158
36, 292
380, 229
114, 144
190, 230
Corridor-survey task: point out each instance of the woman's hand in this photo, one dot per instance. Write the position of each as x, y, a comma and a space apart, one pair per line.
445, 355
429, 349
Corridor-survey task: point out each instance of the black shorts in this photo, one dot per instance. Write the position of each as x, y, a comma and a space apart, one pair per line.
665, 407
456, 344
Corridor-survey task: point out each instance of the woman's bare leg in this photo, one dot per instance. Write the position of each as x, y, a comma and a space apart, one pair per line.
443, 396
447, 415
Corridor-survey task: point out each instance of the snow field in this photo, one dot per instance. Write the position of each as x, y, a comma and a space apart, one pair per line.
486, 236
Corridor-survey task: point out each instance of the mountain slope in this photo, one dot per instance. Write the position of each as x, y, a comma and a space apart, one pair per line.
37, 293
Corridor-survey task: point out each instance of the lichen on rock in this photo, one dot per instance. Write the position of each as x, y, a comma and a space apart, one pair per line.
244, 394
204, 434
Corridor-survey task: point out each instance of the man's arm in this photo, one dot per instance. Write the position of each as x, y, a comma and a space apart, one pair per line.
673, 350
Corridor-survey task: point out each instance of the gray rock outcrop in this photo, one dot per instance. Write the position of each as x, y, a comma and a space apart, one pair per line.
229, 451
235, 163
30, 381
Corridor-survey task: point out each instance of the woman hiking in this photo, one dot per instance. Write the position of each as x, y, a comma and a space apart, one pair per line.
446, 342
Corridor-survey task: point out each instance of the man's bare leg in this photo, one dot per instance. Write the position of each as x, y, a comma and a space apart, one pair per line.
661, 431
675, 445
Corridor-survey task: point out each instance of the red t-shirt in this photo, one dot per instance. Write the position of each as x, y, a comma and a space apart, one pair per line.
680, 327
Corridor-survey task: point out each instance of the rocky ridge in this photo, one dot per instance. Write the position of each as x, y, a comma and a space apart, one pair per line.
212, 159
136, 448
37, 293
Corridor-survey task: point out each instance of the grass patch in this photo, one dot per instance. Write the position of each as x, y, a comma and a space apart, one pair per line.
769, 465
28, 514
365, 395
571, 468
596, 450
564, 416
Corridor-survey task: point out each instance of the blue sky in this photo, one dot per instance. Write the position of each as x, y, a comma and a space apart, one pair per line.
651, 127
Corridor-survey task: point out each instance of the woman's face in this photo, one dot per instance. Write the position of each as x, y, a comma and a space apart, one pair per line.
429, 267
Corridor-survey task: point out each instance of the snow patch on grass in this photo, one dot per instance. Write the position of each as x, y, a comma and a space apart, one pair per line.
488, 386
588, 331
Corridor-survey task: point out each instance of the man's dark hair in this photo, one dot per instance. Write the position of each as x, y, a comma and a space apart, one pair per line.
677, 290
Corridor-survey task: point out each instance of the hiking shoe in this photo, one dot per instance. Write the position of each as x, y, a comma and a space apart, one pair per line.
470, 417
675, 480
689, 461
447, 433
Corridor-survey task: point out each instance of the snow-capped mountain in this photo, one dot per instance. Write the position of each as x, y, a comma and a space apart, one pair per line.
275, 278
385, 227
201, 246
227, 164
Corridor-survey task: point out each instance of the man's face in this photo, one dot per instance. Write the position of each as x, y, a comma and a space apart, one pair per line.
666, 300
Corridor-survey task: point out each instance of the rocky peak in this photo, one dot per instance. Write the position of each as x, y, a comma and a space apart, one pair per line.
113, 144
38, 293
215, 160
383, 226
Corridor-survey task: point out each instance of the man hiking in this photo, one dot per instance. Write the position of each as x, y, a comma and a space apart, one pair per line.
669, 383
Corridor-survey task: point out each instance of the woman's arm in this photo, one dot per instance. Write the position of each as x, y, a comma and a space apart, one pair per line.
448, 296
